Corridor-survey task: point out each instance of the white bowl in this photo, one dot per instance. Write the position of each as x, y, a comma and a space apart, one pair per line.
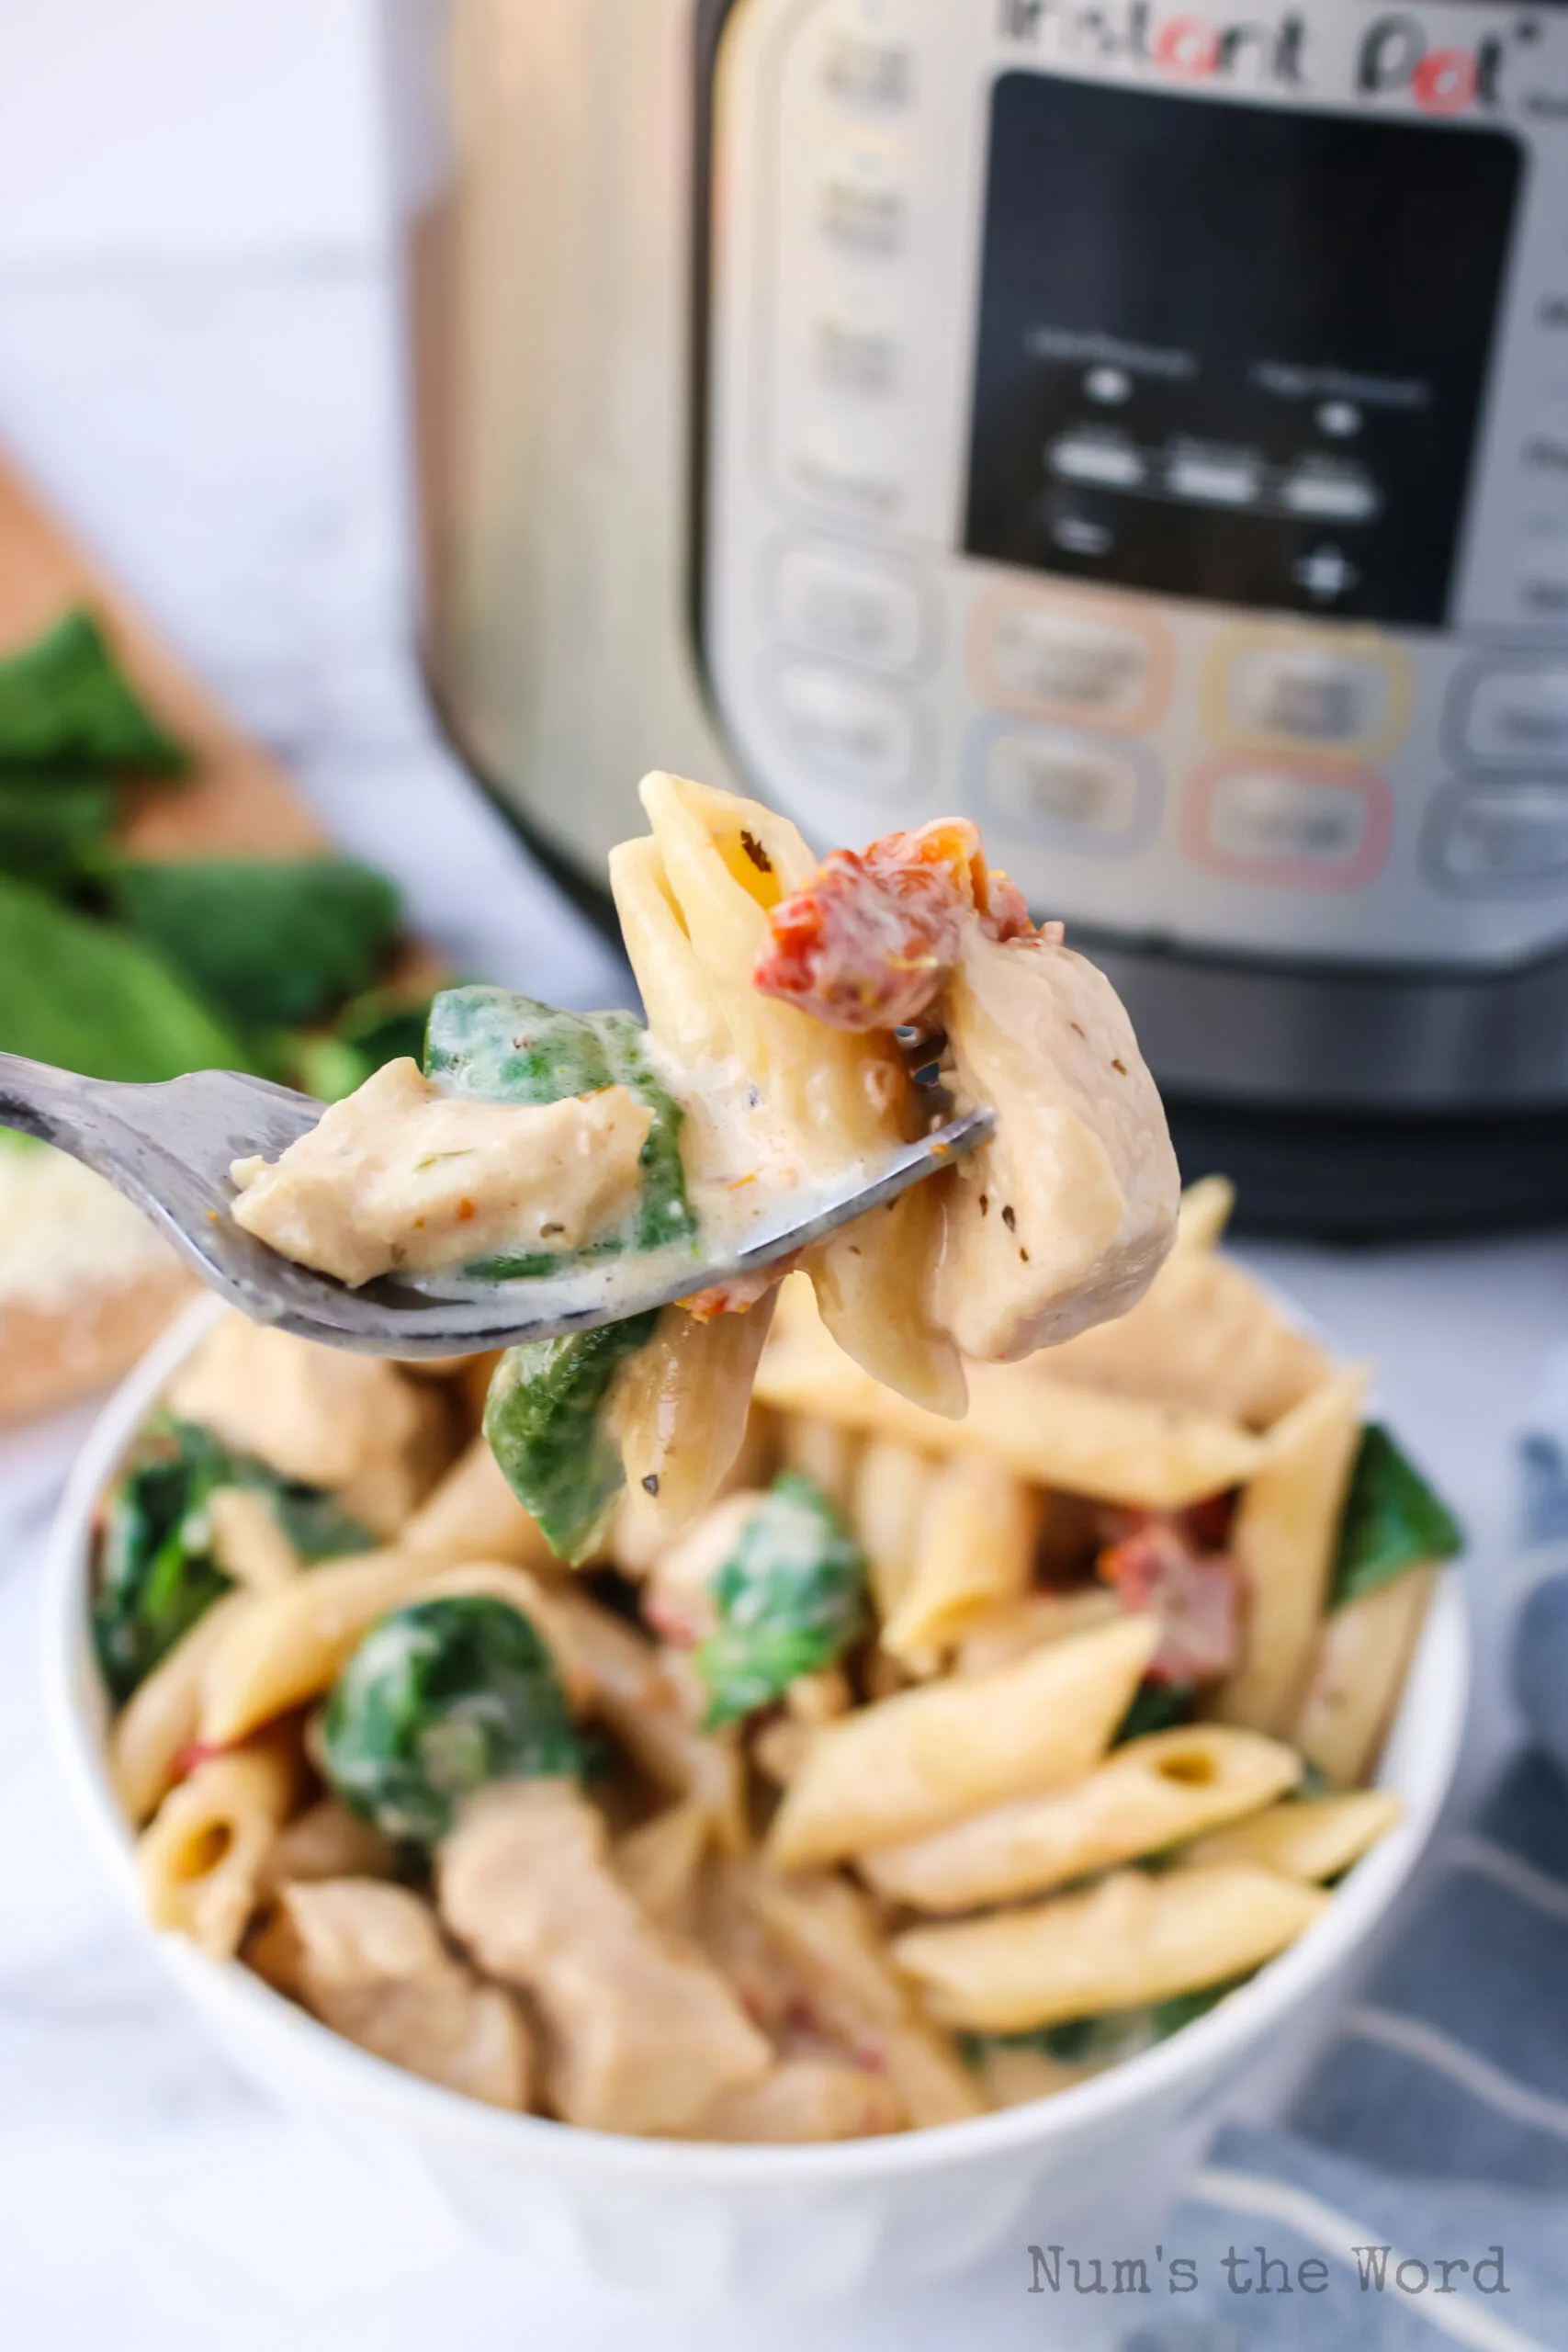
775, 2223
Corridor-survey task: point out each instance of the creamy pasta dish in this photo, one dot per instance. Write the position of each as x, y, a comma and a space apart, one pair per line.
794, 1717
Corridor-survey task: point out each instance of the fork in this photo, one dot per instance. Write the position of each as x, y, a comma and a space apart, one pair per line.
168, 1148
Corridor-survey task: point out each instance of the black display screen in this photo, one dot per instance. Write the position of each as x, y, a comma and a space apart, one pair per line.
1231, 352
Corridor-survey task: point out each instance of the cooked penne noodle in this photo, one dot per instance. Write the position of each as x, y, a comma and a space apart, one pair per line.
974, 1552
472, 1514
1363, 1655
1204, 1335
1205, 1212
679, 1411
201, 1859
247, 1541
911, 1764
1019, 1626
1118, 1448
876, 1311
1283, 1540
165, 1713
885, 1508
1151, 1794
827, 1451
1132, 1938
1310, 1838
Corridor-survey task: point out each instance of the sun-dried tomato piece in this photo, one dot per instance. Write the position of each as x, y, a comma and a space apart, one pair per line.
1195, 1595
871, 940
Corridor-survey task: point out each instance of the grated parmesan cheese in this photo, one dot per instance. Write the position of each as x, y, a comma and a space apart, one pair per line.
63, 1230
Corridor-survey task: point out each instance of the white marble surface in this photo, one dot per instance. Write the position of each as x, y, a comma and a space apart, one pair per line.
227, 440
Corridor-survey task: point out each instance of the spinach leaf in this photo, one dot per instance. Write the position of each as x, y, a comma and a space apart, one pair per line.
268, 940
80, 994
1071, 2042
441, 1696
63, 698
1393, 1522
53, 829
546, 1419
157, 1572
791, 1599
1156, 1706
502, 1047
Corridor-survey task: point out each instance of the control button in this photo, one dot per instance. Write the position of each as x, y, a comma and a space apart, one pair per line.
839, 603
849, 727
1081, 533
1325, 573
1039, 655
1108, 386
1104, 459
1296, 826
1340, 419
839, 462
1329, 493
1099, 798
1214, 476
1315, 697
1518, 715
1503, 838
855, 359
861, 72
861, 215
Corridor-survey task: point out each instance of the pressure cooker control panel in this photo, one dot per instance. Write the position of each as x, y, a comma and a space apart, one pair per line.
1147, 431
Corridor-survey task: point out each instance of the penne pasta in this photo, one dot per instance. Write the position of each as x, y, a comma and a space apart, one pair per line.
827, 1451
472, 1514
1019, 1626
1204, 1214
1310, 1838
1283, 1541
325, 1841
1152, 1794
974, 1552
200, 1862
803, 2101
916, 1762
165, 1714
1363, 1655
1204, 1335
248, 1544
680, 1412
1132, 1939
885, 1508
1118, 1449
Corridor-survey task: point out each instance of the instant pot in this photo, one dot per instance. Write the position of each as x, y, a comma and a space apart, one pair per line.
1140, 426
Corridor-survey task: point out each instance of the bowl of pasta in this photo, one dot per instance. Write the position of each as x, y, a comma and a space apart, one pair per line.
790, 1796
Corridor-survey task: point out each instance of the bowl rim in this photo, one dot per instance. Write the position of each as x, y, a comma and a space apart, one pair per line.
1440, 1672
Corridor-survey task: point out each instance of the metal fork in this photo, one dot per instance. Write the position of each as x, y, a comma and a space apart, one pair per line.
169, 1147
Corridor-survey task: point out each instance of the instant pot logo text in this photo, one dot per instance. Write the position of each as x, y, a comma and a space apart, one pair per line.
1395, 58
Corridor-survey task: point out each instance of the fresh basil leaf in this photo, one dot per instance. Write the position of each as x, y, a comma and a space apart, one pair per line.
270, 942
80, 994
63, 698
1392, 1521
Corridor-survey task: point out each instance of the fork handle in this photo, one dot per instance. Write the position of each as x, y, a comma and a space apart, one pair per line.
53, 1104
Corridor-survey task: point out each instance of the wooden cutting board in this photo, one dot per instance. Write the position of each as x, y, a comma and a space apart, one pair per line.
236, 800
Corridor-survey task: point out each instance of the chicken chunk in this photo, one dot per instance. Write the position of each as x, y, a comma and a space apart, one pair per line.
349, 1423
367, 1959
804, 2100
1063, 1220
645, 2033
401, 1177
